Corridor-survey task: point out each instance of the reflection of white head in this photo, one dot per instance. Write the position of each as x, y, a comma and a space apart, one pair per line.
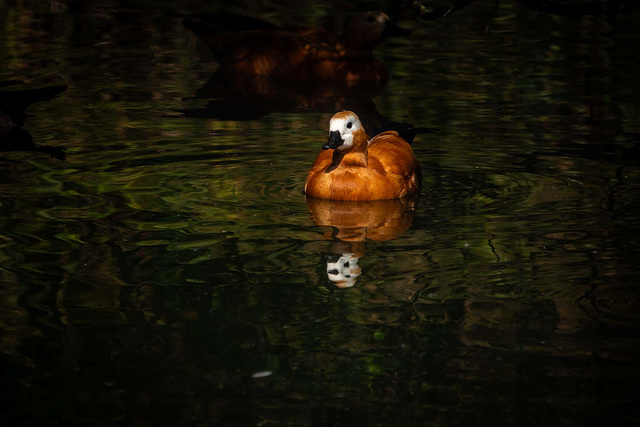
344, 271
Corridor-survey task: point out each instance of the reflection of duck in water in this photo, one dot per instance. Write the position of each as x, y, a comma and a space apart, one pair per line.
251, 46
343, 269
12, 117
353, 223
352, 167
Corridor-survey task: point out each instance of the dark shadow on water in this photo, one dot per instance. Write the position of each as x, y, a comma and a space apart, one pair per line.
629, 161
248, 97
13, 105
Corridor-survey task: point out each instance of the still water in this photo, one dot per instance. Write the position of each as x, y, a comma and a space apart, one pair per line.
169, 269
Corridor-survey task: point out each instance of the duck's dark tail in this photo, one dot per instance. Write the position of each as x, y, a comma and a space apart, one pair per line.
410, 133
210, 22
406, 131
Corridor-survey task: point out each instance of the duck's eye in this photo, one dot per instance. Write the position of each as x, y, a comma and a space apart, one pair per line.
349, 125
370, 19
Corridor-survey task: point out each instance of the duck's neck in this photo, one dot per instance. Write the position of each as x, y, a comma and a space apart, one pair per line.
356, 159
353, 156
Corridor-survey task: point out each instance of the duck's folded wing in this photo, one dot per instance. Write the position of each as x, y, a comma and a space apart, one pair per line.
393, 155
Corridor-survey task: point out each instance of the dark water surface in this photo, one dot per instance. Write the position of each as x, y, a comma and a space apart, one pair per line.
170, 270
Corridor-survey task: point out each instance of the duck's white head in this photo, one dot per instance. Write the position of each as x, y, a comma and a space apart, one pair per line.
343, 128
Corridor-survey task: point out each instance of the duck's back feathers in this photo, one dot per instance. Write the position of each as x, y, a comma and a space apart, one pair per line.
394, 154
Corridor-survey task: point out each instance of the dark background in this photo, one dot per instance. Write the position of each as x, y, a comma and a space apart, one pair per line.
166, 268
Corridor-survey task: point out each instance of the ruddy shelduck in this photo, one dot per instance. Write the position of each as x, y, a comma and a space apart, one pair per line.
352, 167
251, 46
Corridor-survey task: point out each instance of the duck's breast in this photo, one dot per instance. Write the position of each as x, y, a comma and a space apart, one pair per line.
344, 183
359, 183
392, 172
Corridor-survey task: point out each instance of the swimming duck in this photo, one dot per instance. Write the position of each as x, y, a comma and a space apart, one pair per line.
352, 167
252, 46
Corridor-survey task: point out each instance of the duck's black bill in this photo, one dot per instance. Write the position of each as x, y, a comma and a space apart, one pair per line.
335, 140
393, 30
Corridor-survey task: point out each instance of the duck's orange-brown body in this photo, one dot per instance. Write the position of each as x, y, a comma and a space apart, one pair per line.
302, 53
383, 168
